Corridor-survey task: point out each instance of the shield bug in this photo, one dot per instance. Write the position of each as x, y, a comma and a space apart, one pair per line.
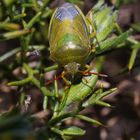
70, 35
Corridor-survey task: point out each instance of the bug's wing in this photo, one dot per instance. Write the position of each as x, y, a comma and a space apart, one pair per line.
68, 19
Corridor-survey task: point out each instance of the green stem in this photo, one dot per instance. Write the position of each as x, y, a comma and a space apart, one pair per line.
42, 88
54, 67
129, 39
14, 34
28, 69
19, 16
134, 51
16, 50
33, 20
9, 54
36, 82
21, 82
56, 88
60, 118
45, 103
32, 79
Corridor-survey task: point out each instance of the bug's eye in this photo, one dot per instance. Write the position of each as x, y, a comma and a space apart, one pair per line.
66, 66
78, 65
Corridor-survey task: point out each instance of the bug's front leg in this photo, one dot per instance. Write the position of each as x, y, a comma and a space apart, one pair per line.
88, 68
68, 83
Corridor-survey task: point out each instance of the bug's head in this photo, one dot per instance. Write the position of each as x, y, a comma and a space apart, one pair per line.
72, 68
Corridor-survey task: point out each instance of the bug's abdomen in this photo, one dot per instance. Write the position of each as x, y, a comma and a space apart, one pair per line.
69, 49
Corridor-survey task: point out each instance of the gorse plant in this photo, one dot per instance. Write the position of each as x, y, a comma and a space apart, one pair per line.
27, 23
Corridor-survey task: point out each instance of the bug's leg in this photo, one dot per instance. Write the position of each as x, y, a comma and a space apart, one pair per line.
89, 72
52, 80
92, 35
62, 75
83, 73
88, 68
92, 30
65, 80
68, 83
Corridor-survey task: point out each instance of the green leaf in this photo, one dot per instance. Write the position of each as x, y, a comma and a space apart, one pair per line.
103, 19
106, 28
119, 3
133, 57
87, 119
57, 131
45, 103
135, 49
14, 34
94, 99
74, 131
136, 27
8, 2
101, 103
98, 5
112, 43
136, 45
15, 124
9, 26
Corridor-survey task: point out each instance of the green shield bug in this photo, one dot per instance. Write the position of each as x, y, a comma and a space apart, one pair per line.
70, 35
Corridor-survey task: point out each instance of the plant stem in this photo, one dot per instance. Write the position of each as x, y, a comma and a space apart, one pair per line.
54, 67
